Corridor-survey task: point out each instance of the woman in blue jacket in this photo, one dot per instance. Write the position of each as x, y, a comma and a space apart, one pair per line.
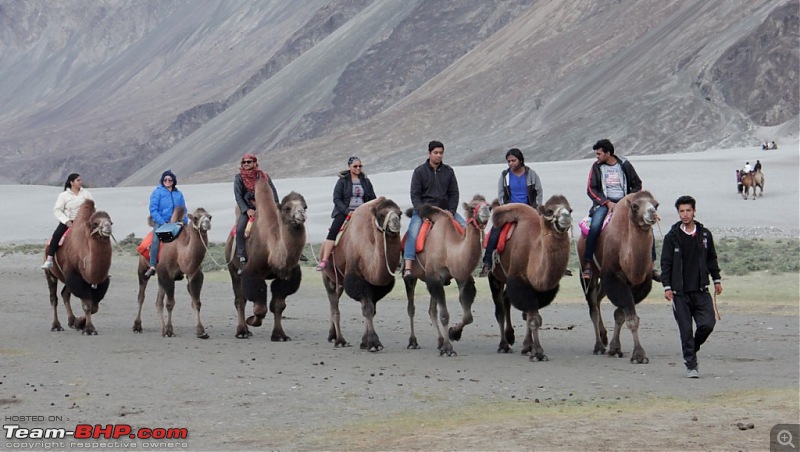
163, 201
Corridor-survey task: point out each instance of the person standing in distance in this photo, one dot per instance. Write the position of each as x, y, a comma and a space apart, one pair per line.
687, 258
432, 183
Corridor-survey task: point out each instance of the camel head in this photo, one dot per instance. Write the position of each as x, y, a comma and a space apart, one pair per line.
643, 209
387, 216
100, 224
200, 219
557, 212
293, 210
477, 211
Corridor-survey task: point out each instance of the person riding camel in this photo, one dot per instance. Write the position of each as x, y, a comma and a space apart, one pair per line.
244, 191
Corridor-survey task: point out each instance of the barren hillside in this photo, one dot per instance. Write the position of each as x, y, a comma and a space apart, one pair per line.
119, 90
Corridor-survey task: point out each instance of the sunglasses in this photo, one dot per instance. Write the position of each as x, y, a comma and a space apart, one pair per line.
357, 166
167, 179
246, 161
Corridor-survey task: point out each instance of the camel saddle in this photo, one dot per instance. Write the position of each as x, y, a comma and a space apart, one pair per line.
341, 229
144, 247
63, 238
586, 223
506, 231
423, 233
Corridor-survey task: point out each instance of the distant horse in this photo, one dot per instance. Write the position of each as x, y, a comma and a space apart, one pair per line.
752, 180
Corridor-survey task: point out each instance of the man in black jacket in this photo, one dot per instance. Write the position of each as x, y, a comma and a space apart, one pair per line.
432, 183
688, 257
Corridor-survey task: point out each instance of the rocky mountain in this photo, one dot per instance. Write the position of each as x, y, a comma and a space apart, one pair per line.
118, 90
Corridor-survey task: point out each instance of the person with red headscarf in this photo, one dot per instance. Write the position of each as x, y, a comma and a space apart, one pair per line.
244, 190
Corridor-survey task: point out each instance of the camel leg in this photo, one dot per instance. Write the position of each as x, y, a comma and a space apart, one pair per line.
370, 340
334, 294
411, 309
160, 309
466, 296
52, 286
638, 355
501, 314
195, 286
137, 324
438, 305
281, 288
615, 348
534, 323
66, 297
85, 322
169, 290
239, 302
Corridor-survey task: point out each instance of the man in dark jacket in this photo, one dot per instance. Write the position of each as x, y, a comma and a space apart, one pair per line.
688, 257
432, 183
610, 179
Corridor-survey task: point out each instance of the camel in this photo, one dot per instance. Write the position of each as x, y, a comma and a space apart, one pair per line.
82, 264
363, 265
274, 247
530, 267
622, 270
752, 180
181, 257
448, 255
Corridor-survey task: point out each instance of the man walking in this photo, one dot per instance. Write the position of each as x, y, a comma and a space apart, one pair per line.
688, 257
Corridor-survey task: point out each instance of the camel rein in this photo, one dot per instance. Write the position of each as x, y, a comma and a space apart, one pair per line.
205, 244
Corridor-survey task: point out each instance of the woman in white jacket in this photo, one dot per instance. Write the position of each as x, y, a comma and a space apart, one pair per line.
65, 210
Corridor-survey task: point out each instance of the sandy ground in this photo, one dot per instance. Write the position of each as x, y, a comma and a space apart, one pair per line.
305, 394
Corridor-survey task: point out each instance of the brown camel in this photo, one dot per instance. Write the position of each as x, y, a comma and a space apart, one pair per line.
530, 267
274, 247
363, 265
181, 257
625, 270
754, 180
448, 255
82, 265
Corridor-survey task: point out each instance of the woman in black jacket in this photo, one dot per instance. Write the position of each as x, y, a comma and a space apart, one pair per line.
352, 190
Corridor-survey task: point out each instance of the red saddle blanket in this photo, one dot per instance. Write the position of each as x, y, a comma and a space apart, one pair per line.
144, 247
505, 233
423, 234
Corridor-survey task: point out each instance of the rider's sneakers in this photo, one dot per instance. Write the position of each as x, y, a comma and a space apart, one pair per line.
323, 264
487, 267
692, 373
47, 264
242, 263
150, 272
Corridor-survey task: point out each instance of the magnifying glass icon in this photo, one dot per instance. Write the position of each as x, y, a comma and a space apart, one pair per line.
784, 438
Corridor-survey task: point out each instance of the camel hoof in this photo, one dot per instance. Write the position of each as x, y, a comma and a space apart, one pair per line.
202, 336
538, 357
244, 335
280, 338
615, 353
254, 321
599, 350
343, 343
503, 348
89, 332
57, 328
454, 334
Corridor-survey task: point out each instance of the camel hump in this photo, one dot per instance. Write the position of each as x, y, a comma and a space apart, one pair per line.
85, 212
512, 213
177, 214
432, 213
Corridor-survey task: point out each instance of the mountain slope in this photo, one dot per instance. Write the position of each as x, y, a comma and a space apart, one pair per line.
120, 90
